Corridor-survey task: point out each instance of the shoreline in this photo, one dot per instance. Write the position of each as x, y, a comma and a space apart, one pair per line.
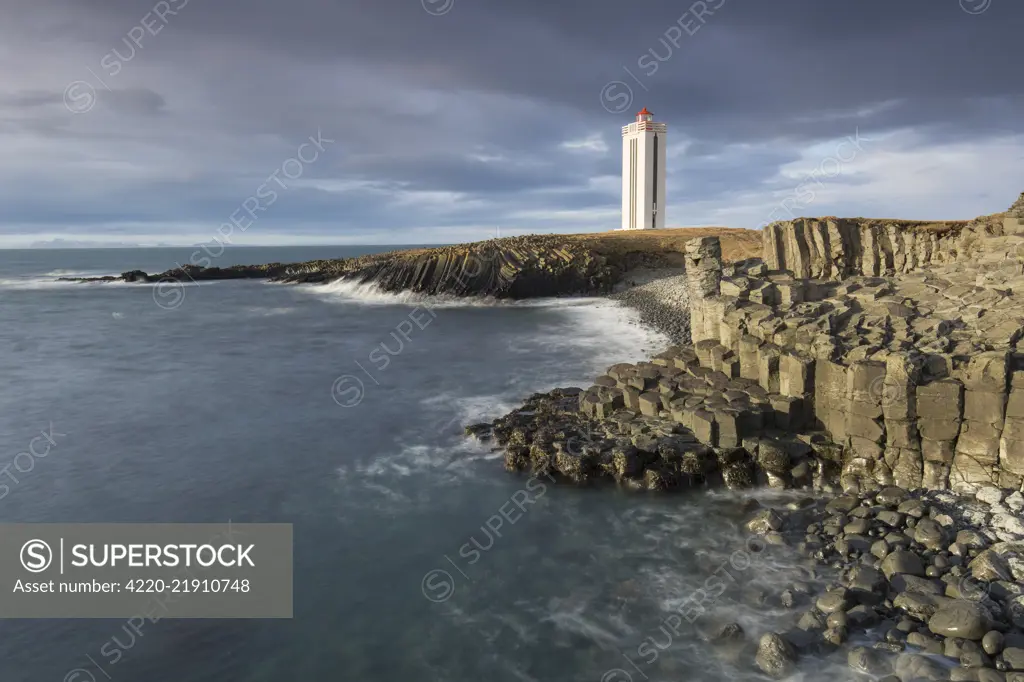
929, 583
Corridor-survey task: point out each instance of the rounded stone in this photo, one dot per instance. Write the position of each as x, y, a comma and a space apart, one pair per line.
837, 619
775, 656
891, 496
867, 661
992, 642
835, 635
906, 625
894, 636
917, 667
830, 602
960, 618
902, 561
857, 527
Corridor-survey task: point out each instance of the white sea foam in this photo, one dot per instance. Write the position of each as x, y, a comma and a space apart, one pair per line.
370, 293
45, 282
608, 331
455, 411
267, 312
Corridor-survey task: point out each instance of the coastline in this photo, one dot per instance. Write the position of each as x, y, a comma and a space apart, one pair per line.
925, 584
929, 583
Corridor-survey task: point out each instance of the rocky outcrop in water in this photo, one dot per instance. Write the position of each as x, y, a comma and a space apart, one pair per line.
513, 268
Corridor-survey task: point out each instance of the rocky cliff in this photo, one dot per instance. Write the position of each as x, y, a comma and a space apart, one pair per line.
520, 267
835, 248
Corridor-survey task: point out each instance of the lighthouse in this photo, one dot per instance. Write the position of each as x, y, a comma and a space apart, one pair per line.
643, 173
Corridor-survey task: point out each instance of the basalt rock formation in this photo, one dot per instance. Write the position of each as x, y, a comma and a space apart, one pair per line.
851, 369
836, 248
510, 267
517, 267
909, 375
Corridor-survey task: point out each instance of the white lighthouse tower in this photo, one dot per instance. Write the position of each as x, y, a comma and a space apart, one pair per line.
643, 173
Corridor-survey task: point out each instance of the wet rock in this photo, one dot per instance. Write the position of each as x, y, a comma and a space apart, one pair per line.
1014, 658
919, 606
971, 539
842, 505
811, 620
835, 635
891, 519
913, 508
927, 644
728, 633
902, 561
992, 642
867, 661
910, 583
862, 616
930, 534
836, 600
919, 667
837, 619
989, 566
775, 656
973, 656
765, 521
960, 618
866, 578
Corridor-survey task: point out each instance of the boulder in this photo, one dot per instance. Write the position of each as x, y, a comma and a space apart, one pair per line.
867, 661
959, 618
902, 561
775, 656
765, 521
990, 566
930, 534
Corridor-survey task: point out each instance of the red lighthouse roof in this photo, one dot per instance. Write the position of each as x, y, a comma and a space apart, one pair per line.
644, 112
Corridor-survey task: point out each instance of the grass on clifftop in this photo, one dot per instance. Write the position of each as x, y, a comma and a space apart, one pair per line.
737, 244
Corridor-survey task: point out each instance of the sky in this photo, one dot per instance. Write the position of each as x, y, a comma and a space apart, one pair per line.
436, 121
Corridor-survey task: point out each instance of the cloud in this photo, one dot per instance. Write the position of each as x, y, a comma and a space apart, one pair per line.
491, 113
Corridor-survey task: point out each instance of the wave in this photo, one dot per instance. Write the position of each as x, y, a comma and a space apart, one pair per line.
456, 411
47, 282
44, 282
605, 330
267, 312
370, 293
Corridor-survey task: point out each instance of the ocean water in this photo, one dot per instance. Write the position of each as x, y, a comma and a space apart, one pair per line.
340, 409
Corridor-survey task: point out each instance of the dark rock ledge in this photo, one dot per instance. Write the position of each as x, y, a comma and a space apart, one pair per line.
508, 268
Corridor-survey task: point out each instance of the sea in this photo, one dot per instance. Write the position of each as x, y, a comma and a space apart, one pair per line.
340, 409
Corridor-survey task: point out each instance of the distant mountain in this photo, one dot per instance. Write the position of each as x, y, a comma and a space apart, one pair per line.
87, 244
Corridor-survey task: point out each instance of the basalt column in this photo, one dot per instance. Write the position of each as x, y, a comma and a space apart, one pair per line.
704, 280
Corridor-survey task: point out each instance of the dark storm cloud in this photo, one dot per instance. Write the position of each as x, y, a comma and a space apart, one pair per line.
478, 102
